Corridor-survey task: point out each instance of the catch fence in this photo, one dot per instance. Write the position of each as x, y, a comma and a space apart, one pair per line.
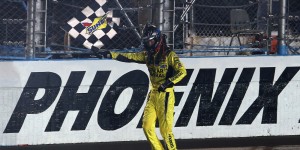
33, 28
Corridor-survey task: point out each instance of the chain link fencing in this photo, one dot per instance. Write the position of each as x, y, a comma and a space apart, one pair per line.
226, 27
293, 26
214, 27
13, 20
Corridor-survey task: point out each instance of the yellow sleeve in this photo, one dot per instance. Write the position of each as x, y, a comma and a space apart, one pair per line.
180, 71
139, 57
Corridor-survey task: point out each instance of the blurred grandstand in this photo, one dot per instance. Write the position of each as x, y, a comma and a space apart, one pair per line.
31, 29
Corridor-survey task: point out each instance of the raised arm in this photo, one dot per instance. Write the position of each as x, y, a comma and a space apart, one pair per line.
129, 57
138, 57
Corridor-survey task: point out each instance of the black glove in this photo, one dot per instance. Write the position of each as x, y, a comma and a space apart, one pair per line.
102, 54
165, 85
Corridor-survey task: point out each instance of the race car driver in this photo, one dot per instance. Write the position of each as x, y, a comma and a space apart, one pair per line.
165, 70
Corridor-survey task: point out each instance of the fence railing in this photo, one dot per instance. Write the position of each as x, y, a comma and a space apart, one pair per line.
33, 28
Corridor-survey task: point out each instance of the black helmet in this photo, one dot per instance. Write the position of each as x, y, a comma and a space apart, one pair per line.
150, 32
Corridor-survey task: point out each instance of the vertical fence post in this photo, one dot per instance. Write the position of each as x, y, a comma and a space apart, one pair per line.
167, 17
282, 49
29, 54
40, 25
269, 24
157, 13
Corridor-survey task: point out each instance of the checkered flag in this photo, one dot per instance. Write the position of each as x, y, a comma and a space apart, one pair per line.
94, 26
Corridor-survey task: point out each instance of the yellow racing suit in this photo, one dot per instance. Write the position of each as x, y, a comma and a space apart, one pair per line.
160, 105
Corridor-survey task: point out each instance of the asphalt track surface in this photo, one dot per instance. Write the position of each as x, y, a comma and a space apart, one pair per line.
252, 143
